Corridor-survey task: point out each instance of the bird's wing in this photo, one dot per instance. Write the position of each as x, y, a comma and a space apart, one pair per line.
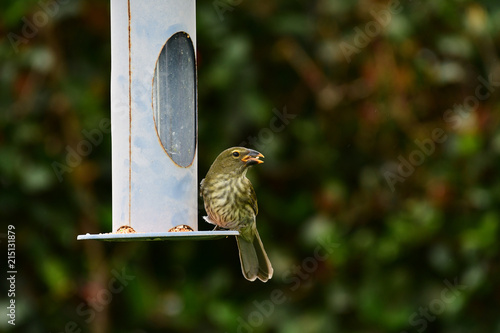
253, 198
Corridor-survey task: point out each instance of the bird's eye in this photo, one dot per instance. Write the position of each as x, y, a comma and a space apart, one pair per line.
236, 154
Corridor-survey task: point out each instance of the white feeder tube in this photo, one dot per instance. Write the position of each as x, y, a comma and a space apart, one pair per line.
152, 191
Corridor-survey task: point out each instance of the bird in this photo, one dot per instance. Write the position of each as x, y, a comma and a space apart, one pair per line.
231, 203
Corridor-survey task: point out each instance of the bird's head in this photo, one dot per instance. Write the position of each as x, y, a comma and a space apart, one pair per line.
237, 160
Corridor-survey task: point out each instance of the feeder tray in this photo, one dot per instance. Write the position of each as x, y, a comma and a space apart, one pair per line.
160, 236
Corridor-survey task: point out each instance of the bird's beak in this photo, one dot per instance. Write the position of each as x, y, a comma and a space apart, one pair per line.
252, 157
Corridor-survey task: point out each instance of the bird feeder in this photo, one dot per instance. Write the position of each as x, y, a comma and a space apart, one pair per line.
154, 121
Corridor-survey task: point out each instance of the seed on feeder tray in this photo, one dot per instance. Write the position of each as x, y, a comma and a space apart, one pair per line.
181, 228
125, 229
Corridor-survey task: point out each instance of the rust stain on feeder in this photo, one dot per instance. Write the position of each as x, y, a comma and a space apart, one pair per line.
130, 120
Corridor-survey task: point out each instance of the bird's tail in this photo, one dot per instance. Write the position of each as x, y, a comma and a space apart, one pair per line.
254, 261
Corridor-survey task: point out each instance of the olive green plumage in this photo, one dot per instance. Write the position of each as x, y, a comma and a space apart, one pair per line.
231, 203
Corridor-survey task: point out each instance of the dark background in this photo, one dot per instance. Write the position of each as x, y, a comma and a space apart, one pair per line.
361, 240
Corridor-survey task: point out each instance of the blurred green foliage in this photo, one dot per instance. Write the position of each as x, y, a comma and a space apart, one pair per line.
410, 254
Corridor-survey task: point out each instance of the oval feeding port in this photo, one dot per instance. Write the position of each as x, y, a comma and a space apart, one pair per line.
174, 99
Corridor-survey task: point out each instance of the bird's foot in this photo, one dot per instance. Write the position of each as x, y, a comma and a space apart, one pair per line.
217, 228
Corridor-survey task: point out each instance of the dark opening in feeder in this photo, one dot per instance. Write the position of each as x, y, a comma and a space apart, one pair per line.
154, 122
174, 99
